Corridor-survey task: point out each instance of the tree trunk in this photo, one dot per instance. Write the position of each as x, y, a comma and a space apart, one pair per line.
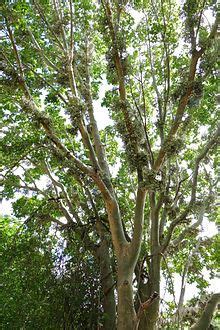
126, 311
206, 317
150, 316
107, 283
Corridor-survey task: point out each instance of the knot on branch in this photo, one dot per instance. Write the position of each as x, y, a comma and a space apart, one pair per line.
173, 147
150, 182
43, 119
29, 107
149, 301
144, 306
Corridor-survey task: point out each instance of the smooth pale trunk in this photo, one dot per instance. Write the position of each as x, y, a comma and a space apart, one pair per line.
126, 311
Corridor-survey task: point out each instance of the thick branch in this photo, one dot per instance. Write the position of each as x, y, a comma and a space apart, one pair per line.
100, 152
112, 208
88, 144
189, 229
180, 110
32, 109
116, 227
121, 79
196, 55
18, 60
213, 141
184, 280
206, 317
65, 195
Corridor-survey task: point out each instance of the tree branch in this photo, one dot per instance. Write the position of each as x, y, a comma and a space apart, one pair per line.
187, 230
58, 11
148, 146
65, 195
43, 17
154, 228
32, 109
196, 55
38, 75
184, 280
71, 30
205, 320
18, 60
148, 43
144, 306
100, 152
49, 217
167, 79
42, 53
213, 141
121, 80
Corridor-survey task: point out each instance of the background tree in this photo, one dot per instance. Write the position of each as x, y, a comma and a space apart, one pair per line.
43, 285
162, 81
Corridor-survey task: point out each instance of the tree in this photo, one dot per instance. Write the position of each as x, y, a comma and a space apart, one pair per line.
160, 95
43, 285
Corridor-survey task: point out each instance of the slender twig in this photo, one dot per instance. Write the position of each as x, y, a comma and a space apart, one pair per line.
18, 60
149, 150
58, 11
166, 48
40, 76
200, 18
71, 30
41, 51
209, 145
171, 279
48, 25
